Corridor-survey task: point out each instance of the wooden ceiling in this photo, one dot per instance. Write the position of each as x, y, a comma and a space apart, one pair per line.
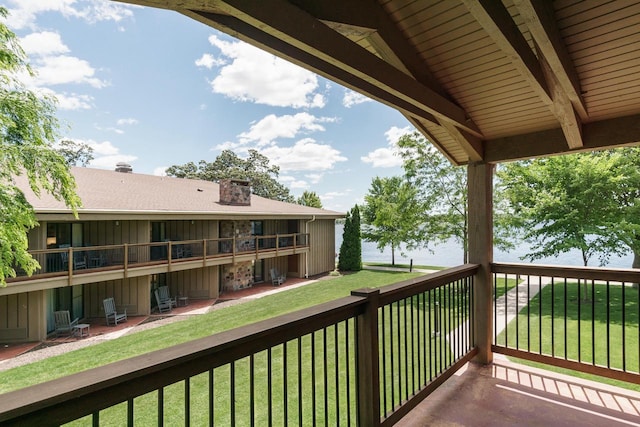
483, 80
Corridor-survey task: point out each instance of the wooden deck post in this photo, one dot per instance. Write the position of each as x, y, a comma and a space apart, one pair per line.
480, 184
368, 368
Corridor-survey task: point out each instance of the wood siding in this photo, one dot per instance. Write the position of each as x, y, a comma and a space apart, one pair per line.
133, 294
22, 317
321, 256
201, 283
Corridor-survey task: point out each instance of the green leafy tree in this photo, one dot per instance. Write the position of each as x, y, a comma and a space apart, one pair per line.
350, 257
28, 127
442, 191
75, 153
563, 203
391, 214
255, 168
627, 199
311, 199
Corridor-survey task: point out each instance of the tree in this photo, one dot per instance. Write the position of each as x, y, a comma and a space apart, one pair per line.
442, 191
28, 127
75, 152
566, 202
311, 199
255, 168
627, 198
350, 258
391, 214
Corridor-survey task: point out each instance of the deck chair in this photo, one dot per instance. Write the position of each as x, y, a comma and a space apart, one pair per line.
276, 278
63, 322
111, 313
79, 261
163, 292
162, 306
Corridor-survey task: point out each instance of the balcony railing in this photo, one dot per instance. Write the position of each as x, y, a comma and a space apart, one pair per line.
584, 319
73, 261
366, 359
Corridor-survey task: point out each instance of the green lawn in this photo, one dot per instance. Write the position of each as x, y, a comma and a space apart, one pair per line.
587, 334
423, 267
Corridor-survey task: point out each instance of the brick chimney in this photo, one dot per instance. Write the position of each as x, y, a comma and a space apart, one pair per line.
235, 192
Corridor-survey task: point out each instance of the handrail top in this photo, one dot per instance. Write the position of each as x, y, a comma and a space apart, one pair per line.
573, 272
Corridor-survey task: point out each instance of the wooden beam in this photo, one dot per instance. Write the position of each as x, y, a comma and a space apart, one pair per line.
299, 29
541, 22
563, 108
394, 49
497, 21
602, 135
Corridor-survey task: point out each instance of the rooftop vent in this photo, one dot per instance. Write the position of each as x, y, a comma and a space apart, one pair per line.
123, 167
235, 192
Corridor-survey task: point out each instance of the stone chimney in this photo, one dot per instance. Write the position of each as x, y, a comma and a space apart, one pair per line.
124, 167
235, 192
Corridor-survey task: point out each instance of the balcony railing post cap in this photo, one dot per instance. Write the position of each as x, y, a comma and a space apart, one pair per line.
365, 292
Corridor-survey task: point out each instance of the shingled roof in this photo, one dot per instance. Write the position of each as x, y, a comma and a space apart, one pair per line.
104, 191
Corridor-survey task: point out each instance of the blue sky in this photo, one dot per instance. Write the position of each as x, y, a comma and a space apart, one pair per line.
154, 88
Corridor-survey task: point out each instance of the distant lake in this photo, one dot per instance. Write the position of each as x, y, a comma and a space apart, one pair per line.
449, 254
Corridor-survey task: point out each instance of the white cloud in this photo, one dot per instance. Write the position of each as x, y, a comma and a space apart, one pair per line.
352, 98
208, 61
127, 121
333, 194
161, 171
304, 155
253, 75
43, 44
67, 101
273, 127
293, 183
314, 177
394, 133
383, 158
387, 157
64, 69
23, 13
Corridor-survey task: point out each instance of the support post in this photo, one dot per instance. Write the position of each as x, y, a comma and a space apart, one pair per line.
480, 185
368, 363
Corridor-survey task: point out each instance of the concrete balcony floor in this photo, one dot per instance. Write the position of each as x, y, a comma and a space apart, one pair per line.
510, 394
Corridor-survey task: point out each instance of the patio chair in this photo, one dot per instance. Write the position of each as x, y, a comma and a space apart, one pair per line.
276, 278
63, 322
111, 313
162, 306
163, 292
79, 260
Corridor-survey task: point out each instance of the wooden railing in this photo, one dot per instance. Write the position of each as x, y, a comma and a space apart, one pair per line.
365, 359
586, 319
73, 261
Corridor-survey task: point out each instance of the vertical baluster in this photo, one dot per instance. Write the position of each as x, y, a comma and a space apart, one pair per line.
347, 369
391, 353
160, 421
95, 419
593, 323
506, 310
418, 364
553, 303
270, 386
430, 295
383, 330
517, 312
325, 376
529, 313
252, 389
300, 392
285, 406
399, 355
313, 376
579, 322
130, 412
624, 327
211, 398
608, 326
187, 402
566, 356
337, 372
406, 351
540, 315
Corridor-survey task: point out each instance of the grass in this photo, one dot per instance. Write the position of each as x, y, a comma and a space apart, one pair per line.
504, 285
590, 329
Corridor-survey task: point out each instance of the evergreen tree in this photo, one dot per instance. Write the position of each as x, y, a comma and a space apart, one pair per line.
350, 258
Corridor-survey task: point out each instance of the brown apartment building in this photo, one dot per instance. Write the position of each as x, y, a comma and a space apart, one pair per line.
138, 232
